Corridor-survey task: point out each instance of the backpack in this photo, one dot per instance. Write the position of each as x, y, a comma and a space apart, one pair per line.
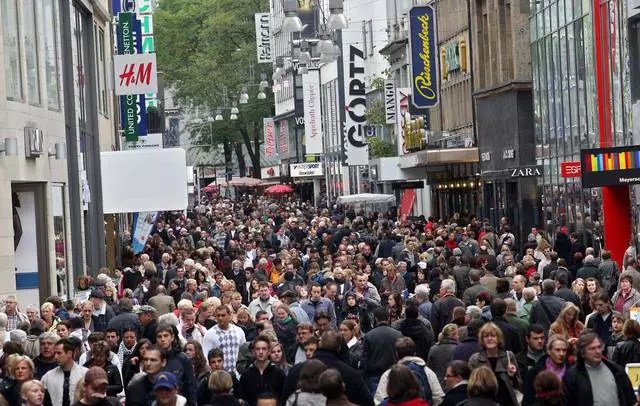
423, 381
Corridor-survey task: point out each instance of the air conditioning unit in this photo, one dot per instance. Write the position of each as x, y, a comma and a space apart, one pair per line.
33, 140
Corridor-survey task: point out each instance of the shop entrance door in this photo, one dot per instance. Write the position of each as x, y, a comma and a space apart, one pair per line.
31, 242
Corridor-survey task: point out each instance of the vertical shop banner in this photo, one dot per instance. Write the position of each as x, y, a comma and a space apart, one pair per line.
284, 138
263, 37
133, 110
423, 46
312, 112
142, 227
403, 117
356, 150
269, 137
390, 111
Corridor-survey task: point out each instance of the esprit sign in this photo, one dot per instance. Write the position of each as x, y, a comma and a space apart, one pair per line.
570, 169
424, 65
135, 74
306, 169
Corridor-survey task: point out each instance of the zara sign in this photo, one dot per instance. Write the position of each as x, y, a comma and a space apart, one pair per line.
526, 171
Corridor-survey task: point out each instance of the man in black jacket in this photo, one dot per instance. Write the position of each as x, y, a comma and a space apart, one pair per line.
456, 378
377, 356
512, 340
327, 352
546, 309
262, 376
139, 392
417, 330
148, 323
177, 362
593, 380
442, 309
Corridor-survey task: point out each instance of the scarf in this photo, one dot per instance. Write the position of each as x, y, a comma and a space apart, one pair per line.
123, 352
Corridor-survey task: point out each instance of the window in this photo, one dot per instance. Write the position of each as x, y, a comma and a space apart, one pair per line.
103, 102
12, 67
31, 51
50, 14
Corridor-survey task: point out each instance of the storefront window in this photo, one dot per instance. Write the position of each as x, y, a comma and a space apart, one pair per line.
12, 66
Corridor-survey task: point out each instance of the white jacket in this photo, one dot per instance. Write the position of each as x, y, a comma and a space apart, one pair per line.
436, 389
53, 382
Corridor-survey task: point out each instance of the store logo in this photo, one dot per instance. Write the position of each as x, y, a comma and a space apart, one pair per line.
424, 66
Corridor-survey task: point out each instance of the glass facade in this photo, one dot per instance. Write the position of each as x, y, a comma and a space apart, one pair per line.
30, 32
565, 103
50, 13
11, 42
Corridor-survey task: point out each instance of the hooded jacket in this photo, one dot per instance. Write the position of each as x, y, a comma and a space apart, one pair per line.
436, 389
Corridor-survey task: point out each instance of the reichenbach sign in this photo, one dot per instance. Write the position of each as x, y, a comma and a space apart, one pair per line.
610, 166
424, 52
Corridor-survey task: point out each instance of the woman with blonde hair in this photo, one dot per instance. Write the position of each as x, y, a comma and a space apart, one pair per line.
245, 321
502, 363
32, 393
442, 353
21, 370
221, 386
47, 314
567, 324
482, 388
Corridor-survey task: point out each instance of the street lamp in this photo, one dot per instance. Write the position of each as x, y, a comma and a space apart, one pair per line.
337, 20
291, 21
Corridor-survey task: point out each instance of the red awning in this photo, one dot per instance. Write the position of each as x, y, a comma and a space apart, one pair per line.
406, 205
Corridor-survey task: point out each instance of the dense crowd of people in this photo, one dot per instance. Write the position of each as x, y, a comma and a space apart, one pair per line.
264, 302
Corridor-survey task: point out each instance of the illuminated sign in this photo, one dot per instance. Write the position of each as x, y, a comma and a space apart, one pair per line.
424, 64
610, 166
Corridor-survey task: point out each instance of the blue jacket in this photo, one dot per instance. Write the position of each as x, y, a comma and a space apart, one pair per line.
323, 305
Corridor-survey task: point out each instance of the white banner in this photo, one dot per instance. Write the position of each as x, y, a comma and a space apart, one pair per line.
263, 37
306, 169
356, 149
270, 172
312, 112
403, 117
390, 102
135, 74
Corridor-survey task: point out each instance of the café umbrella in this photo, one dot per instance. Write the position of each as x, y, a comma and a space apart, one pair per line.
278, 189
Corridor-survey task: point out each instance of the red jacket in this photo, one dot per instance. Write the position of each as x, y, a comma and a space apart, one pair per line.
412, 402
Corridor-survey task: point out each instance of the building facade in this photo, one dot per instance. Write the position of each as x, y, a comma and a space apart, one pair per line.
566, 103
504, 112
55, 107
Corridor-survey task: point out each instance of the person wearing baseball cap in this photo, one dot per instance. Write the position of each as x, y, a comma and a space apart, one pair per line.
165, 388
95, 389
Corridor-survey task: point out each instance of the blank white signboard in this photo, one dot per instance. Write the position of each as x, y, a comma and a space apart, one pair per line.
144, 180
